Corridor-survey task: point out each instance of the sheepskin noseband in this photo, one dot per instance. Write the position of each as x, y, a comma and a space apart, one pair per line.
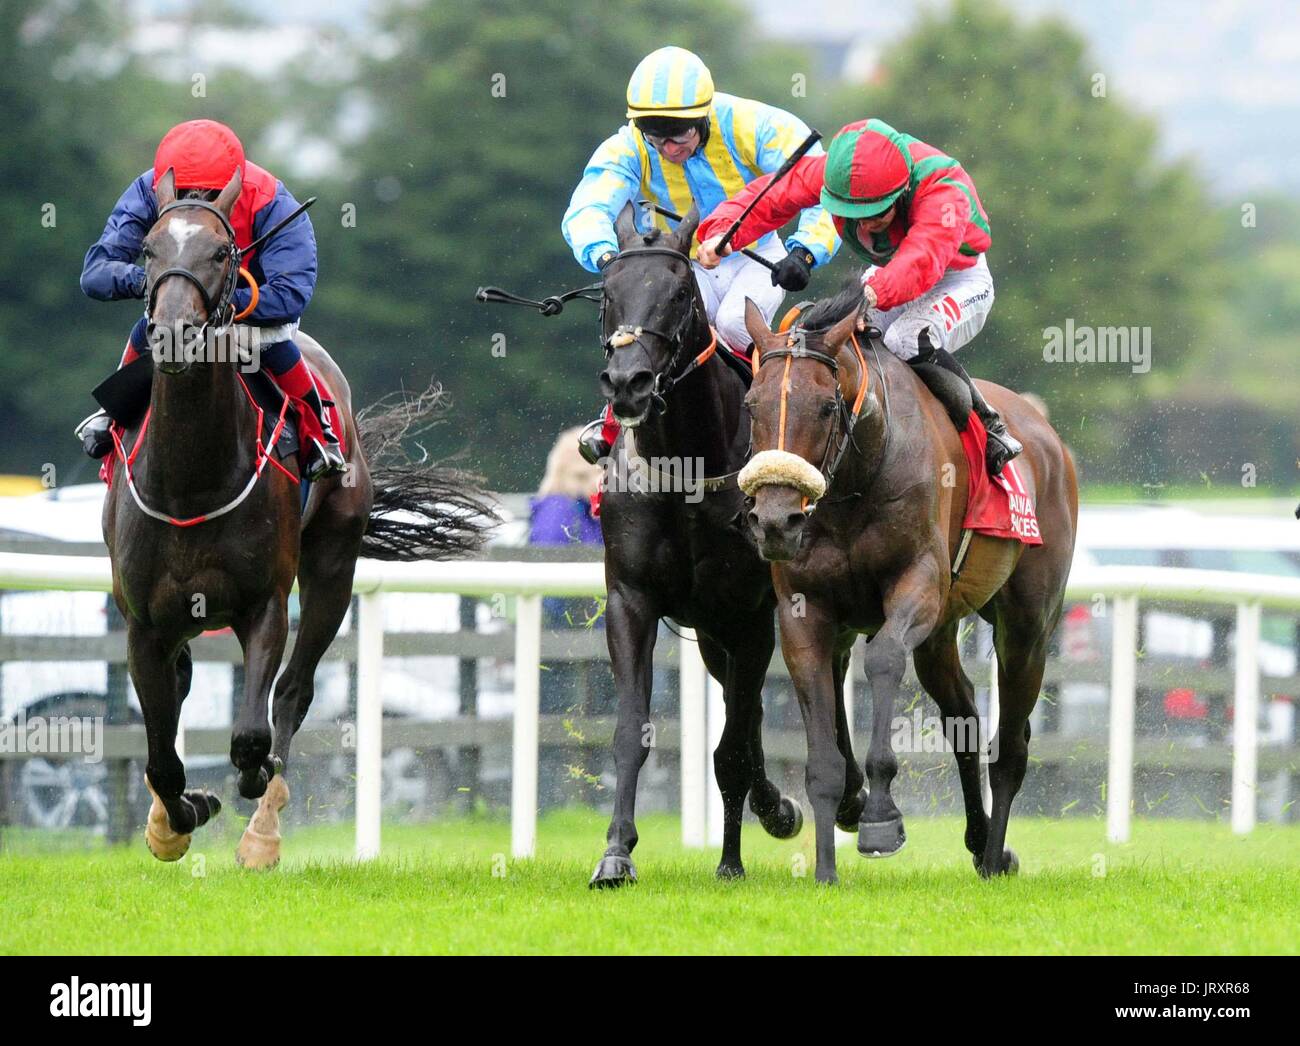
781, 468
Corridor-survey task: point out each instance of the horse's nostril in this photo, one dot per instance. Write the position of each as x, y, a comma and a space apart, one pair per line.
641, 383
606, 386
753, 519
794, 520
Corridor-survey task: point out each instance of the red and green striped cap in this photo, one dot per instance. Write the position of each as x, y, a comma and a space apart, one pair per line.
867, 168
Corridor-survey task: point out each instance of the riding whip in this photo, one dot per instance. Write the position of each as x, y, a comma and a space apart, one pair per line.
813, 138
674, 216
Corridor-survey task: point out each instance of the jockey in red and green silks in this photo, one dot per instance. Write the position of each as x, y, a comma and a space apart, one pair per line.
204, 155
912, 214
686, 145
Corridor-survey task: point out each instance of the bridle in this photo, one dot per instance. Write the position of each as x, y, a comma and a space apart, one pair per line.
222, 308
629, 334
847, 416
223, 305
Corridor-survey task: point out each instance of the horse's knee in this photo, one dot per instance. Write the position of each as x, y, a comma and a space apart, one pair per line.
884, 660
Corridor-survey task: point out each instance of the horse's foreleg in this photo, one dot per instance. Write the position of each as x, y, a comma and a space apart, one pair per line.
854, 801
807, 642
262, 635
911, 610
630, 633
173, 815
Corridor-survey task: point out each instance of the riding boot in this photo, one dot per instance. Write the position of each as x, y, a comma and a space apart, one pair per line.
328, 457
953, 388
96, 440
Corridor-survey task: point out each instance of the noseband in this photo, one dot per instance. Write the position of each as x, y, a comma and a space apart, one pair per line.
847, 416
629, 334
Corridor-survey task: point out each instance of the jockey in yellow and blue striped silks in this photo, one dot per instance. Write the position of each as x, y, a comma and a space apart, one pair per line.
685, 145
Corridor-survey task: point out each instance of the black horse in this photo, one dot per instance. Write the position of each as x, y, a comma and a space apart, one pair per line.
669, 553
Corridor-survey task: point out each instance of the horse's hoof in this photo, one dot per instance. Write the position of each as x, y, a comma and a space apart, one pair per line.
730, 871
257, 853
1010, 865
786, 821
827, 879
206, 805
881, 838
849, 815
259, 846
613, 870
164, 842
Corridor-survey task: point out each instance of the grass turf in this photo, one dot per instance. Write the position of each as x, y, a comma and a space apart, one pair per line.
449, 887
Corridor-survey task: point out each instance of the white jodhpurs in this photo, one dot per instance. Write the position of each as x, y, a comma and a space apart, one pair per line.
736, 278
953, 311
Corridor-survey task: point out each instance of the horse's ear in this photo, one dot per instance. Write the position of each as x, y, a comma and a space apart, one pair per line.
165, 190
837, 337
685, 231
225, 201
756, 325
625, 226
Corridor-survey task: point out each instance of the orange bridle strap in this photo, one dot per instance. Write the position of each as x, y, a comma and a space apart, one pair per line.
866, 376
785, 390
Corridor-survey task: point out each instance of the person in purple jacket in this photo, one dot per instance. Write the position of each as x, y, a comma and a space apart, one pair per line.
204, 155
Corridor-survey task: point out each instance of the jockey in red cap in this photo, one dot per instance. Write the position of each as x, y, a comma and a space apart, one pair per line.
204, 155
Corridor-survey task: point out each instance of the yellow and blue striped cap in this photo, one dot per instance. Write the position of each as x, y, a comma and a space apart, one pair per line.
670, 82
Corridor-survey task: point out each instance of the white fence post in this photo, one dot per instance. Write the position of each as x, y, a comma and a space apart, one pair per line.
989, 730
717, 713
370, 722
694, 734
1245, 718
1123, 701
523, 782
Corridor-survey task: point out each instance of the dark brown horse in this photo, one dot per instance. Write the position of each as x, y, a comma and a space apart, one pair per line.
671, 554
861, 512
205, 532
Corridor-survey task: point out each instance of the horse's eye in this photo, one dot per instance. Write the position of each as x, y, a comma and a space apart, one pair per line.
221, 254
828, 408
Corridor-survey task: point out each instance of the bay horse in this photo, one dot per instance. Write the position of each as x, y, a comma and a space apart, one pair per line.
859, 489
203, 535
685, 558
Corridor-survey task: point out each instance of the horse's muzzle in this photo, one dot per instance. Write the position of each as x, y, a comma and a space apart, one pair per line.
777, 522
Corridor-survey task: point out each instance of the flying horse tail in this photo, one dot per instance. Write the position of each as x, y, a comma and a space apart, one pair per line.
423, 509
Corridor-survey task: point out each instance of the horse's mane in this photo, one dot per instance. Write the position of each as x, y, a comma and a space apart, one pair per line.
830, 311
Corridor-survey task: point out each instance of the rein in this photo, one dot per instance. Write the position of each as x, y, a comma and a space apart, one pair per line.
629, 334
263, 456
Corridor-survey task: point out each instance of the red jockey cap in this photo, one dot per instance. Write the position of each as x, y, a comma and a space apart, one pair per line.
203, 153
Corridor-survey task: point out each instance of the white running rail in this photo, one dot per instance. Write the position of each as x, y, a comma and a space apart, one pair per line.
1124, 587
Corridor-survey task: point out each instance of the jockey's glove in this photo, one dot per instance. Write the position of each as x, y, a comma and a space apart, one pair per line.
794, 270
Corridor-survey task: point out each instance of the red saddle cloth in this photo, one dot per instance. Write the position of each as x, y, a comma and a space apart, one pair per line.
999, 506
308, 427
